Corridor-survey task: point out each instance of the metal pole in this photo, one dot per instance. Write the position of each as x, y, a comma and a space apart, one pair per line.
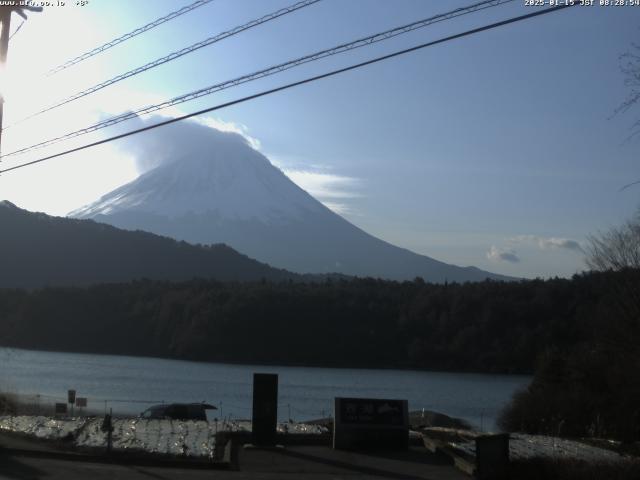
110, 432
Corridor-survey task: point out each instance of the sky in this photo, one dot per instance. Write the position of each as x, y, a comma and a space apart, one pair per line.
499, 150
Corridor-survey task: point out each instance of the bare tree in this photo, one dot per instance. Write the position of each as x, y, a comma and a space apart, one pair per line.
630, 67
617, 249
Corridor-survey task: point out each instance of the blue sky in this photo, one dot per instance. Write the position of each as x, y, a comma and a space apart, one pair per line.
497, 150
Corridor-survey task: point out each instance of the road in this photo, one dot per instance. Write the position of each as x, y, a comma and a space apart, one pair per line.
317, 463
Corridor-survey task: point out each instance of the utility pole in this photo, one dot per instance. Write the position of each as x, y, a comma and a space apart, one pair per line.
5, 19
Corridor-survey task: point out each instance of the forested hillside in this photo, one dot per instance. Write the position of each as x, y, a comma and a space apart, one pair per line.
488, 327
40, 250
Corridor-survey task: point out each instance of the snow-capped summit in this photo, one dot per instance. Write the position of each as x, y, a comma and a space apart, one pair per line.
212, 187
231, 181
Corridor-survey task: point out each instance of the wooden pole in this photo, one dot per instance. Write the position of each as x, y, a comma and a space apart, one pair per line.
5, 19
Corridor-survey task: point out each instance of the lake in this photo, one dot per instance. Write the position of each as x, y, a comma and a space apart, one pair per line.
129, 385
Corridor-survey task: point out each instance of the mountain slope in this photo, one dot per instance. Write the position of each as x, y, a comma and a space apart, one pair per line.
39, 250
226, 192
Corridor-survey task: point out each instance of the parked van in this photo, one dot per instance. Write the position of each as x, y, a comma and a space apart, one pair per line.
178, 411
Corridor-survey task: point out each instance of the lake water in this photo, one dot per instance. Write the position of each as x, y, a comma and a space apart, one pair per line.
130, 384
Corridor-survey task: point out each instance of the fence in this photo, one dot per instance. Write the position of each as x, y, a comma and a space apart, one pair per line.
43, 404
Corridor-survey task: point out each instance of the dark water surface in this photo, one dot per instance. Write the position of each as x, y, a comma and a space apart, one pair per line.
131, 384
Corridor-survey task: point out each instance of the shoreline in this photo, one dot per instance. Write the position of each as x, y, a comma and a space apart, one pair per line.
417, 418
305, 392
274, 363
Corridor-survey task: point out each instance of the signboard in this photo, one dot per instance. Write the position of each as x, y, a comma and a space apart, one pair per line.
71, 397
265, 409
371, 424
81, 402
369, 411
61, 408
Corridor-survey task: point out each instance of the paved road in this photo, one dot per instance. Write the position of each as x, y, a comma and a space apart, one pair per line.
291, 463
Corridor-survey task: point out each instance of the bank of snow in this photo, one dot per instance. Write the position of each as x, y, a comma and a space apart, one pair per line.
172, 437
462, 443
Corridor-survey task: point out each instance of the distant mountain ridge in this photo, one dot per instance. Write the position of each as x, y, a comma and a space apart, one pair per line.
224, 191
38, 250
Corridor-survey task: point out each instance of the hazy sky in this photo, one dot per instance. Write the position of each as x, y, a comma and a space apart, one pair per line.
497, 150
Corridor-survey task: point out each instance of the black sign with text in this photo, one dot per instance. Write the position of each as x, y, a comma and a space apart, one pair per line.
371, 424
367, 411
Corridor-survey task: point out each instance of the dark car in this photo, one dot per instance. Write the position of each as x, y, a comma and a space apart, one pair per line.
178, 411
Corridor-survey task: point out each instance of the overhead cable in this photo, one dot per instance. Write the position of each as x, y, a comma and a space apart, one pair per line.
294, 84
16, 30
127, 36
174, 55
345, 47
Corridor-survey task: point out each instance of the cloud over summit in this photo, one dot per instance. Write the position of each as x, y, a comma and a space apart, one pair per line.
199, 137
331, 189
188, 138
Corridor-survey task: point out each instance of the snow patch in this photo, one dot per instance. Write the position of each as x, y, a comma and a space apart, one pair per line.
170, 437
523, 446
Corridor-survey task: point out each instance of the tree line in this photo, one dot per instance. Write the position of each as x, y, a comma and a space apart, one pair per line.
487, 326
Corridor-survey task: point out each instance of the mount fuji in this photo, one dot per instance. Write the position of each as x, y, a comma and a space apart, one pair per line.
208, 186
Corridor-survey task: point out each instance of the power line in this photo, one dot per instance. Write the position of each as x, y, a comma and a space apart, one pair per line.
127, 36
17, 29
362, 42
174, 55
295, 84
